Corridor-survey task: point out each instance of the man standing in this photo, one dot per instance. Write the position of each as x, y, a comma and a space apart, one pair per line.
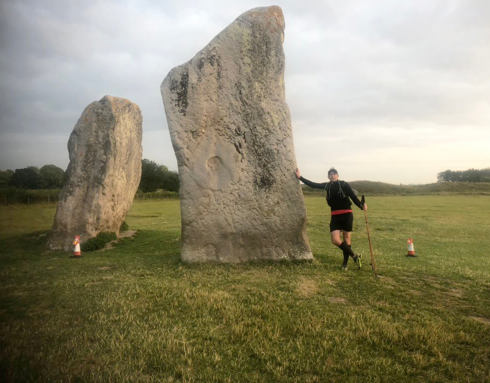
338, 194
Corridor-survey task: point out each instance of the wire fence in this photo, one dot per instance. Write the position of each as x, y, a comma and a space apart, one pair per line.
10, 196
31, 196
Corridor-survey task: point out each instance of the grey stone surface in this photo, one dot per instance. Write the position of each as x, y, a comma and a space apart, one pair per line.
231, 132
103, 174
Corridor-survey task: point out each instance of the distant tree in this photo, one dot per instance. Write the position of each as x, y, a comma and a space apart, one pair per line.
457, 176
444, 176
470, 175
172, 181
150, 176
485, 175
154, 176
26, 178
52, 177
5, 176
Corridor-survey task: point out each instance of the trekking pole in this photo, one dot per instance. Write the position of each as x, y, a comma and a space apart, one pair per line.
373, 263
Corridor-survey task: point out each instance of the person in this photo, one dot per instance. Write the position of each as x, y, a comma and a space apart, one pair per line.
339, 194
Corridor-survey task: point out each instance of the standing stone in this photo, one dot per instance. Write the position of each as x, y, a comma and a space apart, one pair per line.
103, 174
231, 132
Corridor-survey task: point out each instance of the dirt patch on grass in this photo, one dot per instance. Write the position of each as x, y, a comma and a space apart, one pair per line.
144, 215
213, 294
455, 293
306, 288
127, 234
388, 280
211, 297
88, 284
337, 300
124, 234
481, 320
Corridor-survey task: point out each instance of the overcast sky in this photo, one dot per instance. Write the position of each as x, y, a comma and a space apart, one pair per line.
384, 90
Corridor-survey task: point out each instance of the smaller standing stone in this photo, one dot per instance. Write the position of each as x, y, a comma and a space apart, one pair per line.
103, 174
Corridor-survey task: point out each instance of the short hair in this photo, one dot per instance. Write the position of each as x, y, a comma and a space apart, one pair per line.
332, 170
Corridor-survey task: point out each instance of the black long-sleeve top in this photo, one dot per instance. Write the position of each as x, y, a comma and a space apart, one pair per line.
338, 193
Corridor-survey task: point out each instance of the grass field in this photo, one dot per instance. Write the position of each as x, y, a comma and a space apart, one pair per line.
135, 313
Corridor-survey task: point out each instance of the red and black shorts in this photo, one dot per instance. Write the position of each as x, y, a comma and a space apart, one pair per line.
342, 222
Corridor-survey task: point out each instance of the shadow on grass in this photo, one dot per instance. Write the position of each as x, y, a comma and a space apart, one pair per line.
145, 244
147, 247
148, 251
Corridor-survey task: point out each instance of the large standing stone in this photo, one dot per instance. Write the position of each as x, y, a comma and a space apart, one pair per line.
103, 174
231, 132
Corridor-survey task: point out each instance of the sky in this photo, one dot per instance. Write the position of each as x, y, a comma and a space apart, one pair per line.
383, 90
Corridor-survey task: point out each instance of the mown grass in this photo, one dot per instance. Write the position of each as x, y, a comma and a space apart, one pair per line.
135, 313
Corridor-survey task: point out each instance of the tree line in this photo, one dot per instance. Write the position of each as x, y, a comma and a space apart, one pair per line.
470, 175
153, 177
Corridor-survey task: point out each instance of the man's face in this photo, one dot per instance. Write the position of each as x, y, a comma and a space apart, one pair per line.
333, 176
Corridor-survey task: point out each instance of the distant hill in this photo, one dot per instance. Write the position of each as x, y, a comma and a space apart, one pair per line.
381, 188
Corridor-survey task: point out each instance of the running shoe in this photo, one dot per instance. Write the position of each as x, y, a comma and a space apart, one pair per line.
358, 260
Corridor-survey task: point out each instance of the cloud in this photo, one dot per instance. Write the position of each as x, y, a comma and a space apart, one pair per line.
372, 77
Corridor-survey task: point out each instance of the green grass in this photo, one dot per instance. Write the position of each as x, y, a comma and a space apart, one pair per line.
135, 313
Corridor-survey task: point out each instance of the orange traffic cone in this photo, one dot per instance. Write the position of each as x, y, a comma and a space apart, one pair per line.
411, 248
76, 250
